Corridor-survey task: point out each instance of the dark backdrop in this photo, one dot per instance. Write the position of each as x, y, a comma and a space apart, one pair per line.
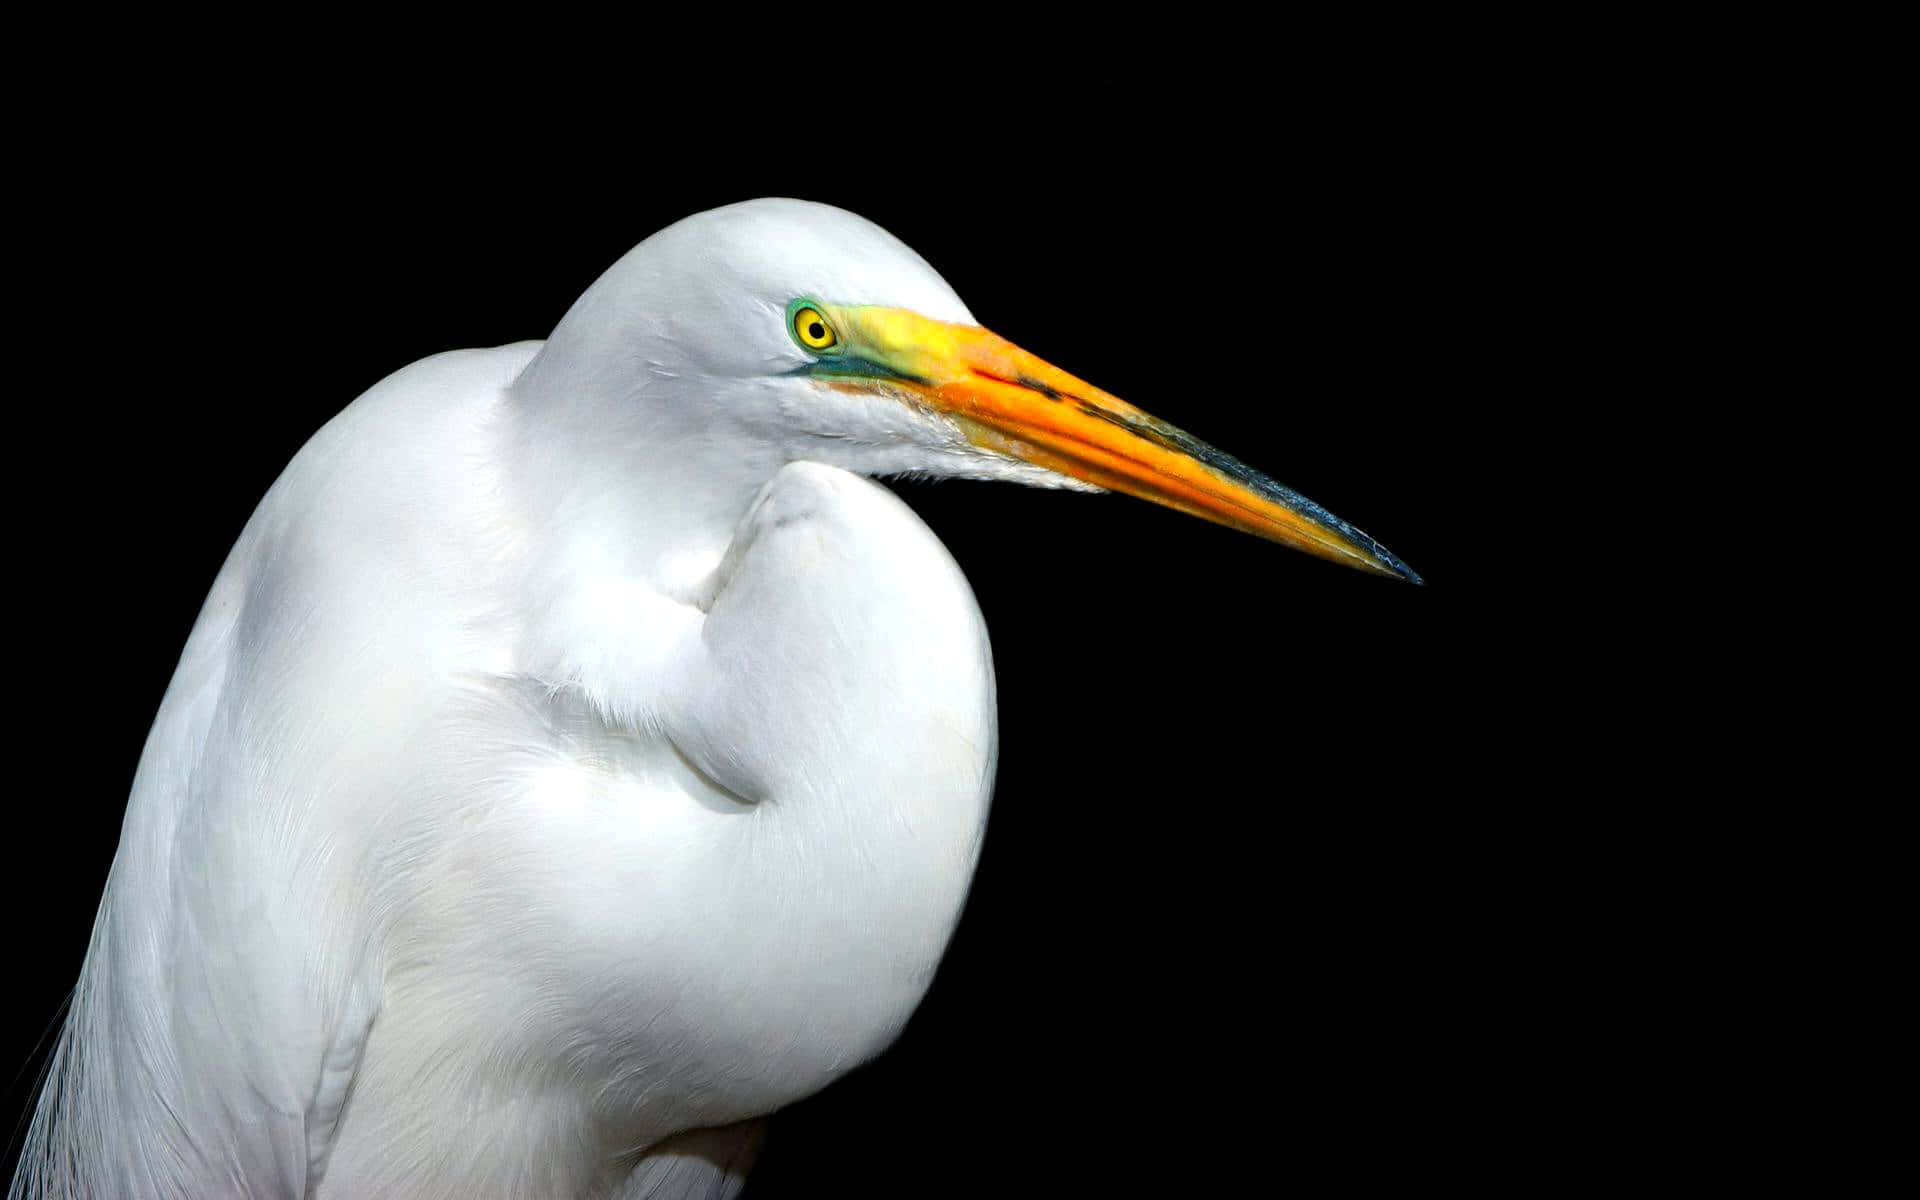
1267, 888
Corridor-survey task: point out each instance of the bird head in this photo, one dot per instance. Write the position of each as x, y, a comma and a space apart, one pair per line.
813, 334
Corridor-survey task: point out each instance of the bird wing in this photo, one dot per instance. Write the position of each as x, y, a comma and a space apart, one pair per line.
230, 983
218, 1018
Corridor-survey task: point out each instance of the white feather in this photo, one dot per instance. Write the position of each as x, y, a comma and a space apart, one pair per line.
571, 754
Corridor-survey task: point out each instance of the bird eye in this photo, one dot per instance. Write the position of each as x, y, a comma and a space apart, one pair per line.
812, 329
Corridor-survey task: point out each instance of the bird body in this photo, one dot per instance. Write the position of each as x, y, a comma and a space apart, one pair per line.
342, 868
576, 758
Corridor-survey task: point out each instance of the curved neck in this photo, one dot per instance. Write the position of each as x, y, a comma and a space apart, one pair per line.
624, 476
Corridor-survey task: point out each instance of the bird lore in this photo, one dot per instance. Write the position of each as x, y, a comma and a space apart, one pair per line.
578, 758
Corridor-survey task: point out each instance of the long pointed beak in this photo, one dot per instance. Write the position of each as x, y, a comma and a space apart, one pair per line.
1012, 402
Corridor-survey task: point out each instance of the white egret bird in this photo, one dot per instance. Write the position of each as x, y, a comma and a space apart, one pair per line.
577, 758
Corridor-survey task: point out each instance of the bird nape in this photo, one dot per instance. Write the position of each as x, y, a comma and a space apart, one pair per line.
577, 758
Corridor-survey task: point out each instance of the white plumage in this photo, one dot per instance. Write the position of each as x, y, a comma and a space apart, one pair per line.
575, 760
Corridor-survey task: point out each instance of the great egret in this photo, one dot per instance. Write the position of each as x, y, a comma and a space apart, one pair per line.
577, 758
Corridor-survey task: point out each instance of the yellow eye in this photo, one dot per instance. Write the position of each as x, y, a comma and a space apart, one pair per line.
812, 329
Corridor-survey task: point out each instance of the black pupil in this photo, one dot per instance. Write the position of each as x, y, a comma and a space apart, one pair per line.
816, 331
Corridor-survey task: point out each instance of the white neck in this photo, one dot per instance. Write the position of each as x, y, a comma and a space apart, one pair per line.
624, 477
768, 946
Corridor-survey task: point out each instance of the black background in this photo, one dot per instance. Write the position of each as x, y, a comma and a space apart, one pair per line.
1271, 884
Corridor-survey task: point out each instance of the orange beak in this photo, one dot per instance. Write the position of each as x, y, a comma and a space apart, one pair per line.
1013, 403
